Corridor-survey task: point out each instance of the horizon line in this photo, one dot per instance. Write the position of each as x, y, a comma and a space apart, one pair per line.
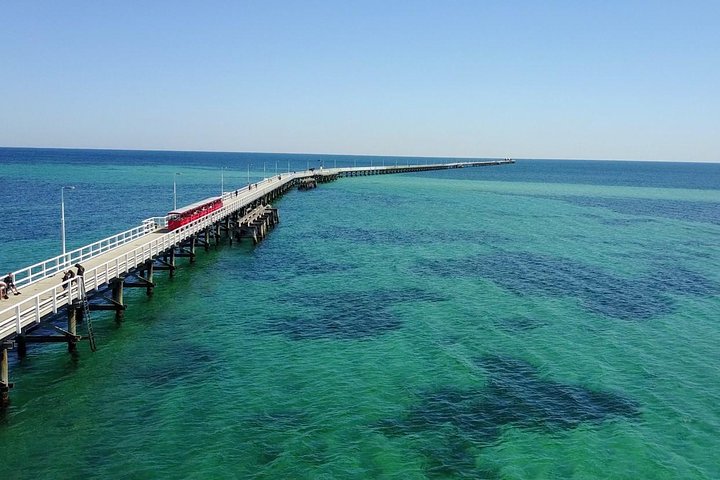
171, 150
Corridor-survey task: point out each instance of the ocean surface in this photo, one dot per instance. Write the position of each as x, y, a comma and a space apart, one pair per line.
543, 320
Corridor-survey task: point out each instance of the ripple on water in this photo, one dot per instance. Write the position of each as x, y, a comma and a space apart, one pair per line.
601, 292
408, 237
273, 268
696, 211
353, 314
519, 323
171, 367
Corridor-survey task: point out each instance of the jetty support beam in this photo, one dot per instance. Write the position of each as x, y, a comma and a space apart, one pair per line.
164, 264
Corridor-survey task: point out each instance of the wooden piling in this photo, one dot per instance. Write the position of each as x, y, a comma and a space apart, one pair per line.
149, 270
117, 297
72, 314
172, 262
21, 346
5, 384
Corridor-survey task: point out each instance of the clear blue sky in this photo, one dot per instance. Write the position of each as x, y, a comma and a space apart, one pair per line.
527, 79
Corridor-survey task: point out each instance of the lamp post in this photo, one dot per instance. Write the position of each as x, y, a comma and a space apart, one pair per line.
248, 174
62, 217
175, 190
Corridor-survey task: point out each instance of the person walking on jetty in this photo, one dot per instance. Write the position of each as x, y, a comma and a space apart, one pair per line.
9, 282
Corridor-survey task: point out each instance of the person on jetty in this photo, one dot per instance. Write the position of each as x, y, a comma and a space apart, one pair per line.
67, 276
3, 290
9, 282
80, 270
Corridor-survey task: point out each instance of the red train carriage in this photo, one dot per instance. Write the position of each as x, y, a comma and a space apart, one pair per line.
183, 216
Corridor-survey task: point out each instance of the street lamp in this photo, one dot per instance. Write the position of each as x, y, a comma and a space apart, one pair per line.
175, 191
62, 217
248, 174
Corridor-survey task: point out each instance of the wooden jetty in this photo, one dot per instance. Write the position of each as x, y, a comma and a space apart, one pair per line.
132, 258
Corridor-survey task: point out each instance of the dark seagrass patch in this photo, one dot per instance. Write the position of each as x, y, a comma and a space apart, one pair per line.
515, 395
598, 291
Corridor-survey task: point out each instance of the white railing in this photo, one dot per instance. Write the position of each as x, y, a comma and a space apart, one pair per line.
31, 310
48, 268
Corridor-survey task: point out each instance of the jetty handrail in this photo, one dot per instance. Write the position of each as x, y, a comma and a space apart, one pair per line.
48, 268
33, 308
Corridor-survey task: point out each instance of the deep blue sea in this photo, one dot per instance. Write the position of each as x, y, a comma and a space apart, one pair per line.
551, 319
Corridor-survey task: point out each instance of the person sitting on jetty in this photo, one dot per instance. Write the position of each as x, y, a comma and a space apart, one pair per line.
67, 276
9, 282
3, 290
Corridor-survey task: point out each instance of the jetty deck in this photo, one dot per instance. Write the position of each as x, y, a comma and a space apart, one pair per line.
130, 258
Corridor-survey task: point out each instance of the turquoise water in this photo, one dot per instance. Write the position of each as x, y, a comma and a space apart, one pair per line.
540, 320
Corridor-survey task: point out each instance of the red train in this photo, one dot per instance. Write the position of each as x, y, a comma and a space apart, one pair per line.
183, 216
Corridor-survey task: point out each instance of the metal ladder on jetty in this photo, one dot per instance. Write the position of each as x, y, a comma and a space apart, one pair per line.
86, 313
